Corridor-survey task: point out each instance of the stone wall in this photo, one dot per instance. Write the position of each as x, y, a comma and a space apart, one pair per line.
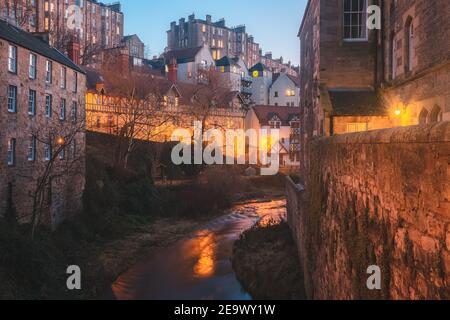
376, 198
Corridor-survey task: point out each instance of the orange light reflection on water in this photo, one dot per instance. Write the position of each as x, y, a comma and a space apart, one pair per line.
204, 247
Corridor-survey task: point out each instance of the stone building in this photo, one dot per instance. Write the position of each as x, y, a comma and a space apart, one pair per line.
99, 25
42, 138
166, 105
234, 74
278, 65
136, 49
402, 69
222, 40
416, 65
285, 119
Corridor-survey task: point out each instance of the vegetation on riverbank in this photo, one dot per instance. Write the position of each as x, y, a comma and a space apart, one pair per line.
125, 213
266, 262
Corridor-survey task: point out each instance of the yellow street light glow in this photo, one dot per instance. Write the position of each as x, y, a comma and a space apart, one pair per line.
60, 141
398, 112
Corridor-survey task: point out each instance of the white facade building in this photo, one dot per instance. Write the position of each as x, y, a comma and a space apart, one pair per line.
285, 91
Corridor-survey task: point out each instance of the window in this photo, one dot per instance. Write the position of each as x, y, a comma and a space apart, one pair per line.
276, 94
32, 149
11, 152
62, 153
32, 68
63, 77
355, 20
436, 115
62, 110
357, 127
47, 152
290, 93
48, 71
74, 111
393, 57
12, 59
74, 149
409, 45
423, 117
275, 124
32, 103
12, 98
48, 106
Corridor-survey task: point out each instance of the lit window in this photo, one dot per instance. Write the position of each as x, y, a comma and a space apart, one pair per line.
355, 19
357, 127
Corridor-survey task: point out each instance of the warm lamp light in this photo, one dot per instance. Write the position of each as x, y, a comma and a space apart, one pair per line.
60, 141
398, 112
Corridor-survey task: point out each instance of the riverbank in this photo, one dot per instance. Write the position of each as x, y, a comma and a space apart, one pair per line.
266, 263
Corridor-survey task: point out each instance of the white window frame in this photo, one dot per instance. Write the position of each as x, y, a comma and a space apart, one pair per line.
32, 149
12, 59
365, 15
48, 71
32, 95
47, 152
32, 70
11, 156
12, 100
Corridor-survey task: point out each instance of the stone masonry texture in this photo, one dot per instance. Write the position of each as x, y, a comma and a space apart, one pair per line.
376, 198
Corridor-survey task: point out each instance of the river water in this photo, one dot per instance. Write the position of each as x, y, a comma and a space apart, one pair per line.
197, 267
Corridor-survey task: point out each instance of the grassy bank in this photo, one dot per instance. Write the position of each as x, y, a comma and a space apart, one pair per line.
125, 214
266, 262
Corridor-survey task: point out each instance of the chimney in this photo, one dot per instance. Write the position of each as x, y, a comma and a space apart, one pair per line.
124, 61
208, 18
191, 17
73, 51
173, 71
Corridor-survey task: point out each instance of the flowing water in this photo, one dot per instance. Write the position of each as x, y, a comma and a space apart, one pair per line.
197, 267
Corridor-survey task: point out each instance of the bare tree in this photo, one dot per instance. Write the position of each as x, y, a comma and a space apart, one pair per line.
62, 159
20, 12
137, 100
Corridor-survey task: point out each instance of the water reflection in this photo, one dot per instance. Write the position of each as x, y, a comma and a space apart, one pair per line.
198, 267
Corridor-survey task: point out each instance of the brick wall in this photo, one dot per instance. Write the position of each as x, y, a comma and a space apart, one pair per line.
20, 180
376, 198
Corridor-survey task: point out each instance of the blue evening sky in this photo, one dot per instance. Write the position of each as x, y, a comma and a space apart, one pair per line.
273, 23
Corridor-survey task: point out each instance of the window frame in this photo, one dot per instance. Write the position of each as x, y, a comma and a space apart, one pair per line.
351, 12
32, 68
12, 60
12, 101
11, 152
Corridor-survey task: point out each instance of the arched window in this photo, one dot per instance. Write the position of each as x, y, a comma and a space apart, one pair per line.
393, 56
409, 44
436, 115
423, 117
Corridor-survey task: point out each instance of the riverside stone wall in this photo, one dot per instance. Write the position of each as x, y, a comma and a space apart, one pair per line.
376, 198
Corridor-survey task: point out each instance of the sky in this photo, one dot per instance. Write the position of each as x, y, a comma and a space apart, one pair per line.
274, 24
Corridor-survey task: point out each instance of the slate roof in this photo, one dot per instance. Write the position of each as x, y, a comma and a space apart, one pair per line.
295, 80
267, 113
258, 67
356, 103
27, 40
183, 55
226, 61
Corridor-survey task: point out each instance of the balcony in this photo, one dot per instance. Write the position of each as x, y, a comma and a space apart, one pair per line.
246, 80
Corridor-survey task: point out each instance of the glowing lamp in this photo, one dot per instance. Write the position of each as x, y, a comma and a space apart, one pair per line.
60, 141
255, 74
398, 112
